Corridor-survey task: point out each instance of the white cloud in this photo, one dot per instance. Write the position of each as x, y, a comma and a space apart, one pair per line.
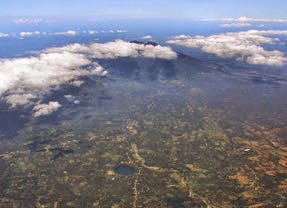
92, 32
146, 37
268, 32
3, 35
28, 20
236, 25
248, 19
114, 31
121, 31
24, 34
19, 99
69, 32
69, 97
32, 33
77, 83
46, 109
181, 37
22, 79
27, 80
40, 72
72, 98
77, 102
119, 48
245, 46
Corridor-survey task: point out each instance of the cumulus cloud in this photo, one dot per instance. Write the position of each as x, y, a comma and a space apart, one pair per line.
19, 99
69, 97
77, 83
32, 33
119, 48
25, 81
46, 109
25, 34
181, 36
92, 32
77, 102
248, 19
3, 35
146, 37
236, 25
114, 31
69, 32
245, 46
72, 99
121, 31
40, 72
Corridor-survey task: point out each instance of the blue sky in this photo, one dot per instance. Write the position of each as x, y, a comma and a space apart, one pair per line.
186, 9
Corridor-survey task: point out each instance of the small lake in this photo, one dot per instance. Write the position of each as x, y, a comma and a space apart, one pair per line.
124, 170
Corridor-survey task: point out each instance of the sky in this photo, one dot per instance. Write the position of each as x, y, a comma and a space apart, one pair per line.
125, 9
